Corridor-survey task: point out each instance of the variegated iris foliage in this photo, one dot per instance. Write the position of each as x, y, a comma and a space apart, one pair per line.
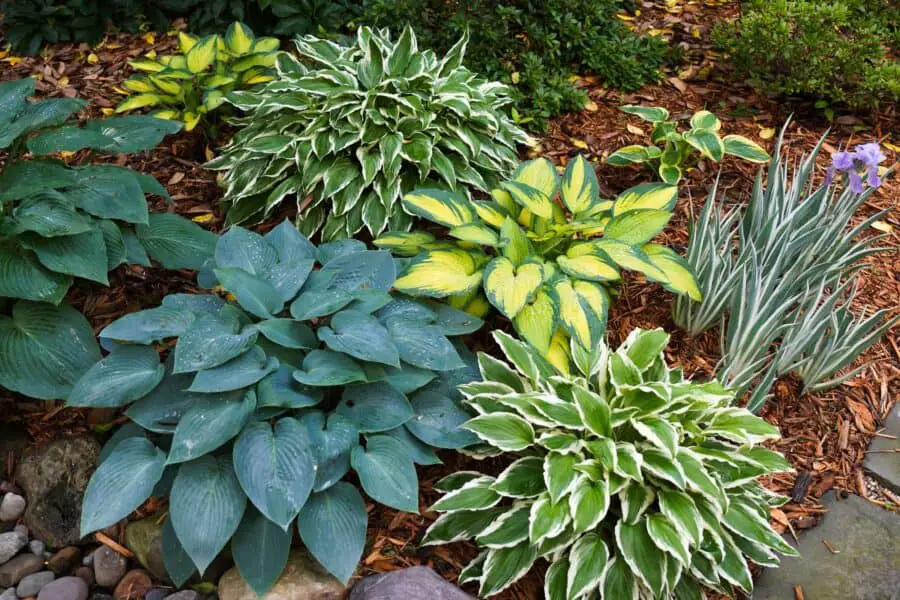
190, 85
346, 131
545, 265
672, 151
783, 272
631, 481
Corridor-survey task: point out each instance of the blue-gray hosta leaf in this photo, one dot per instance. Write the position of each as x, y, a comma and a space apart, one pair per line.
175, 242
408, 378
332, 441
48, 215
332, 526
360, 335
290, 244
311, 304
149, 326
365, 270
275, 468
505, 566
424, 345
453, 321
288, 333
209, 422
209, 342
23, 277
80, 255
246, 250
437, 421
387, 472
129, 373
161, 409
420, 452
179, 565
109, 192
327, 368
288, 277
237, 373
255, 295
206, 506
331, 250
281, 390
373, 407
121, 483
260, 549
45, 349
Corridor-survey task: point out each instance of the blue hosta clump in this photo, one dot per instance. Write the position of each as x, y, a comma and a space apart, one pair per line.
307, 368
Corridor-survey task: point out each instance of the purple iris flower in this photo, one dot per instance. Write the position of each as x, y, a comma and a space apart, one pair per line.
862, 161
856, 184
842, 161
870, 154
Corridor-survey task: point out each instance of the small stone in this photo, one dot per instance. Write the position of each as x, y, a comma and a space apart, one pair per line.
25, 564
9, 594
88, 559
109, 566
157, 594
302, 578
22, 530
184, 595
87, 574
11, 507
415, 583
34, 583
64, 561
36, 547
134, 586
64, 588
10, 544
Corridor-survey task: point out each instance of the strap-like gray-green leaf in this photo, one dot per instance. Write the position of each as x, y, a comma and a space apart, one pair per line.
260, 549
332, 526
127, 374
387, 473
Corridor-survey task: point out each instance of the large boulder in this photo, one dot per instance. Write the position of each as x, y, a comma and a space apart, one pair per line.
415, 583
54, 478
302, 578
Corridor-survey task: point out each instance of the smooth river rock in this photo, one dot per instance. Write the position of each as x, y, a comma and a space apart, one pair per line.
64, 588
415, 583
302, 578
25, 564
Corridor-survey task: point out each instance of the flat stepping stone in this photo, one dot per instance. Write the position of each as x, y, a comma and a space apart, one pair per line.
883, 459
866, 566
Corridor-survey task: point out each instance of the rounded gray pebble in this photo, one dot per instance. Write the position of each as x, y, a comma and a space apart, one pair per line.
36, 547
21, 530
156, 594
9, 594
88, 559
65, 588
184, 595
10, 544
34, 583
11, 507
109, 566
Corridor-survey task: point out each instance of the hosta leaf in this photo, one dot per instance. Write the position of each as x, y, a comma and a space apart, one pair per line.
703, 119
588, 263
587, 559
555, 580
109, 192
327, 368
424, 346
360, 335
746, 523
635, 500
741, 147
373, 407
332, 442
580, 189
237, 373
707, 142
637, 226
437, 421
593, 410
255, 295
510, 288
209, 342
734, 567
210, 422
288, 333
630, 257
646, 196
529, 197
659, 464
439, 273
667, 538
460, 525
682, 513
539, 174
505, 431
476, 494
560, 475
260, 550
658, 432
22, 276
127, 374
654, 114
507, 530
504, 566
387, 473
179, 565
246, 250
81, 255
440, 206
176, 242
537, 321
148, 326
588, 503
524, 478
647, 562
332, 526
280, 390
547, 519
628, 155
582, 309
618, 581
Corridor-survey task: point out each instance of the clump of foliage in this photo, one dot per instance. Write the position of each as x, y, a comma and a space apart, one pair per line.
782, 271
273, 397
672, 151
63, 222
534, 47
189, 86
541, 263
838, 50
629, 479
348, 130
306, 17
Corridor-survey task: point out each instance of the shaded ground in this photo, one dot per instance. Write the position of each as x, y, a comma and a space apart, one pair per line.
824, 435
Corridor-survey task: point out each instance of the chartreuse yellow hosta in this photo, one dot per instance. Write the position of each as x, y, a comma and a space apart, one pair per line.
187, 86
545, 264
631, 481
677, 148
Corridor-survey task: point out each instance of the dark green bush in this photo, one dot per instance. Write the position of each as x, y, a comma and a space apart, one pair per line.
532, 45
838, 50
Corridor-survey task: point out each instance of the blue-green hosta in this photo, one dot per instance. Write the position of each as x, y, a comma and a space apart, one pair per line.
346, 131
62, 222
630, 480
272, 397
677, 148
541, 263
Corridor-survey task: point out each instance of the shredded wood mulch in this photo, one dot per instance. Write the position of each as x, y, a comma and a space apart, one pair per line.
824, 435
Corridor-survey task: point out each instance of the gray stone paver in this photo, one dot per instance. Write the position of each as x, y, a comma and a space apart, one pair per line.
883, 459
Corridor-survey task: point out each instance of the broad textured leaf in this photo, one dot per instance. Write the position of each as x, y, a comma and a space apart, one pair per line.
439, 273
288, 333
580, 189
255, 295
179, 565
175, 242
374, 407
332, 526
148, 326
260, 550
280, 390
327, 368
209, 342
437, 421
80, 255
537, 321
424, 346
637, 226
332, 442
505, 431
210, 421
22, 276
387, 473
360, 335
646, 196
240, 372
242, 249
127, 374
440, 206
510, 288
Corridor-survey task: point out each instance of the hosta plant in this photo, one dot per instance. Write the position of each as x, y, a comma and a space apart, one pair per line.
62, 222
346, 131
190, 85
628, 479
671, 151
268, 398
545, 265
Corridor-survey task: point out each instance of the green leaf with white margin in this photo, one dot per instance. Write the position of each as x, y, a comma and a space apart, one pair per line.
582, 309
206, 505
260, 549
580, 189
524, 478
734, 567
587, 558
679, 278
539, 174
629, 462
276, 468
740, 425
646, 196
670, 174
440, 206
645, 346
638, 226
635, 500
510, 288
505, 431
618, 582
654, 114
555, 579
738, 145
658, 432
121, 483
636, 548
667, 538
588, 503
529, 197
476, 494
547, 519
387, 472
708, 143
699, 480
175, 242
332, 526
682, 513
439, 273
461, 525
703, 119
747, 523
659, 464
128, 373
633, 154
508, 529
45, 349
593, 410
536, 322
505, 566
560, 475
210, 422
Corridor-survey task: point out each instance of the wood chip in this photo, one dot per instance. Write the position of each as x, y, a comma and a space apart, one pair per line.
108, 541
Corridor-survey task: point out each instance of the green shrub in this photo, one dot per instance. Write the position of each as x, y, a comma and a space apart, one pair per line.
544, 266
836, 50
350, 129
322, 356
629, 479
534, 47
60, 223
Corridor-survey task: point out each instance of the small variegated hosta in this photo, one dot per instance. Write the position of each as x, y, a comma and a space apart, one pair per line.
545, 264
630, 480
348, 130
677, 148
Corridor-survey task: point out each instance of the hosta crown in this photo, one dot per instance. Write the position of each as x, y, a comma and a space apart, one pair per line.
346, 131
267, 400
631, 481
545, 251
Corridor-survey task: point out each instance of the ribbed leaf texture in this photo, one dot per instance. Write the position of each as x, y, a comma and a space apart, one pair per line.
630, 480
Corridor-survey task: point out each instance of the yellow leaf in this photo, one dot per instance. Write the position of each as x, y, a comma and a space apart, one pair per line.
149, 38
12, 60
591, 106
625, 17
515, 77
579, 143
3, 53
695, 32
205, 218
66, 154
63, 81
92, 58
151, 55
891, 146
119, 90
108, 111
882, 226
634, 129
767, 133
209, 153
230, 297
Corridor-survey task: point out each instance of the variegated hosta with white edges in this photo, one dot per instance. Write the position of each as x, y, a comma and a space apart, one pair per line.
631, 481
547, 265
347, 130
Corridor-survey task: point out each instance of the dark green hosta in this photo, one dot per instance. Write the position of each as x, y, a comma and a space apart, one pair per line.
61, 222
272, 398
349, 130
629, 479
